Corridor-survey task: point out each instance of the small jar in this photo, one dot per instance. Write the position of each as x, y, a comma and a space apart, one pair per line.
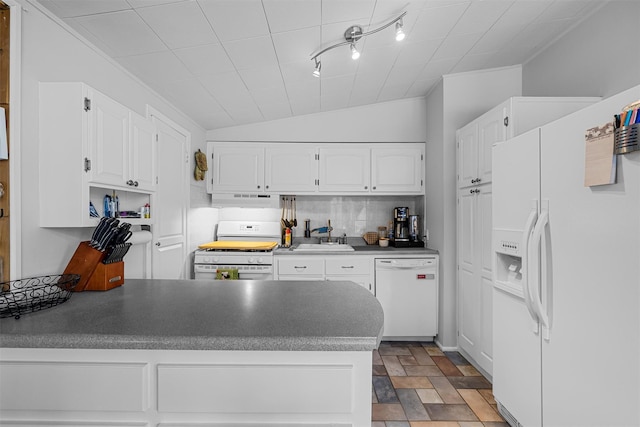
382, 232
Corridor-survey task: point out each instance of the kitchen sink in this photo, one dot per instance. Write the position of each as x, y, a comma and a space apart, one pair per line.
324, 247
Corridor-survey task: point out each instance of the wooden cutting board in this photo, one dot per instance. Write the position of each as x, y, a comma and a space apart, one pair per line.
240, 246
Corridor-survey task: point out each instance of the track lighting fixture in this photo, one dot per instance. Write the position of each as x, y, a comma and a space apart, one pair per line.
354, 52
355, 33
316, 72
399, 31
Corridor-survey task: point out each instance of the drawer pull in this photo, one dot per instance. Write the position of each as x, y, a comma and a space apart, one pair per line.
346, 266
299, 267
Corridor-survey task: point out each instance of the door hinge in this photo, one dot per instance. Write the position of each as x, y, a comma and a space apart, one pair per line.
156, 180
156, 137
317, 182
317, 156
87, 104
506, 121
87, 164
421, 157
421, 183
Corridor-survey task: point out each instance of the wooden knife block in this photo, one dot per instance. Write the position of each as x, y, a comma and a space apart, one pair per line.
94, 275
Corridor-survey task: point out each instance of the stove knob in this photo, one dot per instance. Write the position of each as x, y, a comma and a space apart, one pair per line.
206, 259
215, 259
260, 260
251, 260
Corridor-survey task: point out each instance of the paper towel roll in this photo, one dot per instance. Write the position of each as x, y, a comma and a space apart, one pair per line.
140, 237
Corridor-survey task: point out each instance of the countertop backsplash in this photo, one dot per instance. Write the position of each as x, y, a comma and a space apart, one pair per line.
353, 215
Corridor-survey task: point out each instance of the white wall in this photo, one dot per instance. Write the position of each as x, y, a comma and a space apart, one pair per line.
457, 100
597, 58
50, 52
393, 121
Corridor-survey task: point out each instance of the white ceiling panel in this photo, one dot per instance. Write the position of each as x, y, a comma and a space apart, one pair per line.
287, 15
157, 67
236, 19
230, 62
291, 46
124, 32
205, 60
261, 77
480, 17
74, 8
251, 53
179, 24
346, 11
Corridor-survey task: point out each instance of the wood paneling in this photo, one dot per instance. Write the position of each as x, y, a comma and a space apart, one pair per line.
4, 164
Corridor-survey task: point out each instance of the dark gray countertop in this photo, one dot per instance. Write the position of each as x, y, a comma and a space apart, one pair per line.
207, 315
363, 250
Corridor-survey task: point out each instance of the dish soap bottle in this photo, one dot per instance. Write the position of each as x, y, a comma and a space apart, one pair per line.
287, 238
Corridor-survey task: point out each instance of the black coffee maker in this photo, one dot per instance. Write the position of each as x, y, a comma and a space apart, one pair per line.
405, 229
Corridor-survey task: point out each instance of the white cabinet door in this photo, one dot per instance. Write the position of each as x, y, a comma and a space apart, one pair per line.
467, 140
354, 268
237, 168
142, 154
108, 141
344, 170
362, 280
290, 168
397, 170
491, 129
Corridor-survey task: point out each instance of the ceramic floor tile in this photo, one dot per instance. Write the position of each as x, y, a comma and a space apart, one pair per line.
423, 371
446, 391
421, 356
446, 366
411, 382
469, 382
443, 412
471, 424
456, 358
379, 370
413, 407
469, 371
378, 424
488, 395
393, 365
429, 395
377, 360
397, 424
387, 412
394, 351
495, 424
374, 398
384, 390
479, 405
435, 424
407, 360
433, 350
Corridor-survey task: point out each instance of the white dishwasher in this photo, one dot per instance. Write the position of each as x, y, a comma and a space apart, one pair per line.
407, 289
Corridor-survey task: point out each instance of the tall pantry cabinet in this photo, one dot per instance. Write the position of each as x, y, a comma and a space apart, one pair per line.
474, 258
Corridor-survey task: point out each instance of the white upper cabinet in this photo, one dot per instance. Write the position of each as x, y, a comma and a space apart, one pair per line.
89, 146
316, 168
395, 170
237, 167
109, 140
344, 169
142, 153
290, 168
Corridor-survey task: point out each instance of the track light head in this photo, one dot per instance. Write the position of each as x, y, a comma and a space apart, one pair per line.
316, 72
399, 31
354, 52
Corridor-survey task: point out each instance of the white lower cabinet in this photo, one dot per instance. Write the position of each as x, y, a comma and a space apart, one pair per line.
353, 268
126, 388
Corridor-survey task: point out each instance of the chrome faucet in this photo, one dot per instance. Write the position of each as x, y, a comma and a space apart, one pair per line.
326, 229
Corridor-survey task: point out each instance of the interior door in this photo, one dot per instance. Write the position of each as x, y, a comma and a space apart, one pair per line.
170, 210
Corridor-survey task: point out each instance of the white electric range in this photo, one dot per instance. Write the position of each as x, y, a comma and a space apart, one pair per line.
245, 245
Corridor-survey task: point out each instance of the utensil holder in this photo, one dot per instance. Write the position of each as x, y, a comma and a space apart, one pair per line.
626, 139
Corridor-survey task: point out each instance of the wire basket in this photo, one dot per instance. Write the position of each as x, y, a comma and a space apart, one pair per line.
371, 237
35, 293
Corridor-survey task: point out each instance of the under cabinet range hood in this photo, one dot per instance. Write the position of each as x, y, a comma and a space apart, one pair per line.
223, 200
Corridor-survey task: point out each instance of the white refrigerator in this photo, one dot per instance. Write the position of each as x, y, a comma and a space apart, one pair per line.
566, 296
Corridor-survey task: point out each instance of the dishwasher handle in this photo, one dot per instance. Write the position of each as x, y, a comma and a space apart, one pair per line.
405, 263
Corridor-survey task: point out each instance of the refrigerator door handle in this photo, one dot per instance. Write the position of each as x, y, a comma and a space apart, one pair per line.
526, 235
536, 243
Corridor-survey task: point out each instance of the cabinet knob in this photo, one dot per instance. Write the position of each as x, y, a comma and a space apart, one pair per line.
373, 188
366, 187
135, 183
258, 186
157, 243
130, 182
266, 186
478, 179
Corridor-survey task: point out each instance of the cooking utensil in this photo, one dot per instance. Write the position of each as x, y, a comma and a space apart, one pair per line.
295, 218
286, 213
282, 221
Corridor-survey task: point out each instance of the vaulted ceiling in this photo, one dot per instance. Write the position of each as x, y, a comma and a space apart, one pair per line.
232, 62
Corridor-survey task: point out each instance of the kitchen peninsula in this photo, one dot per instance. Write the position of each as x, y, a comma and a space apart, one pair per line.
191, 352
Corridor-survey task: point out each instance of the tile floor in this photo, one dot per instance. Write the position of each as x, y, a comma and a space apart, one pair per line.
417, 385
